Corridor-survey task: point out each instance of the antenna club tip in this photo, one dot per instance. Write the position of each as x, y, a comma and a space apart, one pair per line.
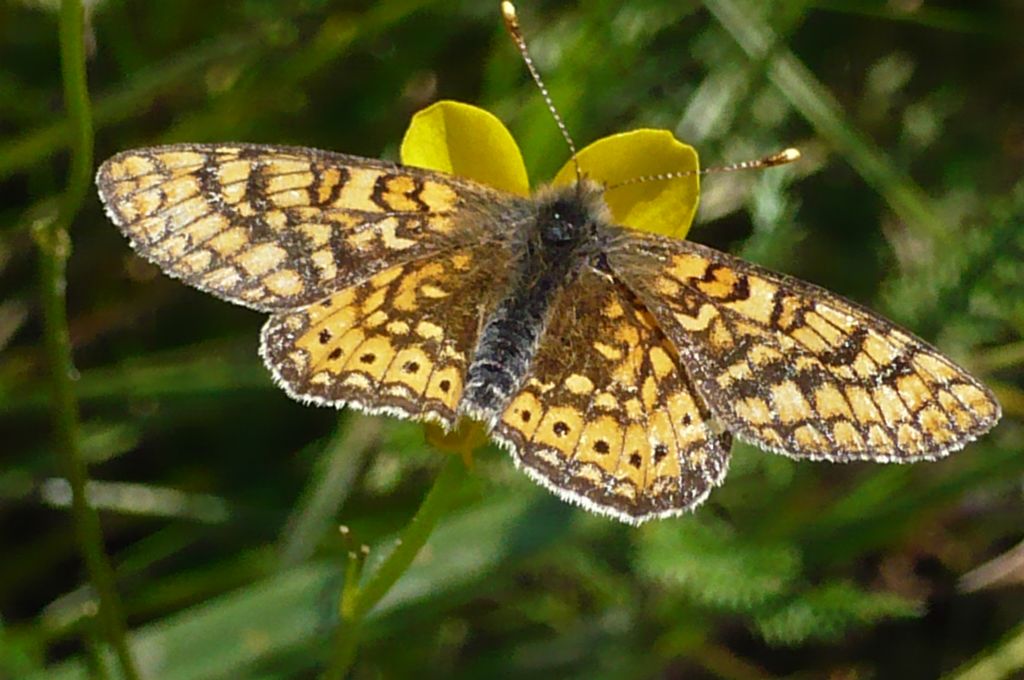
508, 12
781, 158
789, 155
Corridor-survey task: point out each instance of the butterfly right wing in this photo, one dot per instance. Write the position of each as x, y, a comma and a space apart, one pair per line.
797, 369
606, 418
272, 227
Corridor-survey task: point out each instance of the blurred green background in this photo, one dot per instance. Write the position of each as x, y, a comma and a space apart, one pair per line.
220, 498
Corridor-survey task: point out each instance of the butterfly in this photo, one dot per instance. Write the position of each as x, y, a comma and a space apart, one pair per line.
615, 366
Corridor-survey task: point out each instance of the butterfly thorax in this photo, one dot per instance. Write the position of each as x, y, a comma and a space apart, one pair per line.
561, 238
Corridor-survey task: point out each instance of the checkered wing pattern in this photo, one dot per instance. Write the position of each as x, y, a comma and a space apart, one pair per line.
397, 343
799, 370
273, 227
606, 418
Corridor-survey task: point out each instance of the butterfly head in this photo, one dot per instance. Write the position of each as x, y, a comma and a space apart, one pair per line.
563, 221
570, 216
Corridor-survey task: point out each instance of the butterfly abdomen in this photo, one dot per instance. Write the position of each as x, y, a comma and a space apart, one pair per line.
555, 250
506, 347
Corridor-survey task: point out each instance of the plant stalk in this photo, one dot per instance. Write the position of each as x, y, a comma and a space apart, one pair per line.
356, 603
54, 248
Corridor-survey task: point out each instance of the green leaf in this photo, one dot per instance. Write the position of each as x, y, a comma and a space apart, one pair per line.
225, 636
827, 612
711, 564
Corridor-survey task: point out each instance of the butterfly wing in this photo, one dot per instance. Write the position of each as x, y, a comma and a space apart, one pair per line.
606, 418
397, 343
796, 369
378, 275
273, 227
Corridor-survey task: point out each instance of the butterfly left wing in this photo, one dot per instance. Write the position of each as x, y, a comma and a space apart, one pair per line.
377, 274
397, 343
276, 227
796, 369
606, 418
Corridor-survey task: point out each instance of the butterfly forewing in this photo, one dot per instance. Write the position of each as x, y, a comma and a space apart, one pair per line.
605, 417
274, 227
797, 369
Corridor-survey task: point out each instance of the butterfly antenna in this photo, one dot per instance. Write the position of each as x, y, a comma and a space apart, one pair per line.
508, 13
781, 158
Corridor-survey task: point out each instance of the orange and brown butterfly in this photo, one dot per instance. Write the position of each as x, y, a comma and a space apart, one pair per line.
614, 364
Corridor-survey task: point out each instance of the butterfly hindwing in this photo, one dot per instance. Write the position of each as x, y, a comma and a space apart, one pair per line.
797, 369
605, 417
273, 227
396, 343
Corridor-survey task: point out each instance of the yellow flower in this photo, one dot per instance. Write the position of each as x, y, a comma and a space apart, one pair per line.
468, 141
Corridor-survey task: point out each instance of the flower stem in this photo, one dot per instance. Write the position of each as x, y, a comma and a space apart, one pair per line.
54, 247
356, 603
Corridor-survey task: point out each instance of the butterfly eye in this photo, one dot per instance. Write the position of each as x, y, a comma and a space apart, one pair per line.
561, 222
557, 229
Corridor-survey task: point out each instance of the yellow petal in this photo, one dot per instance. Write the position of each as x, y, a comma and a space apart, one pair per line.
661, 206
467, 141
